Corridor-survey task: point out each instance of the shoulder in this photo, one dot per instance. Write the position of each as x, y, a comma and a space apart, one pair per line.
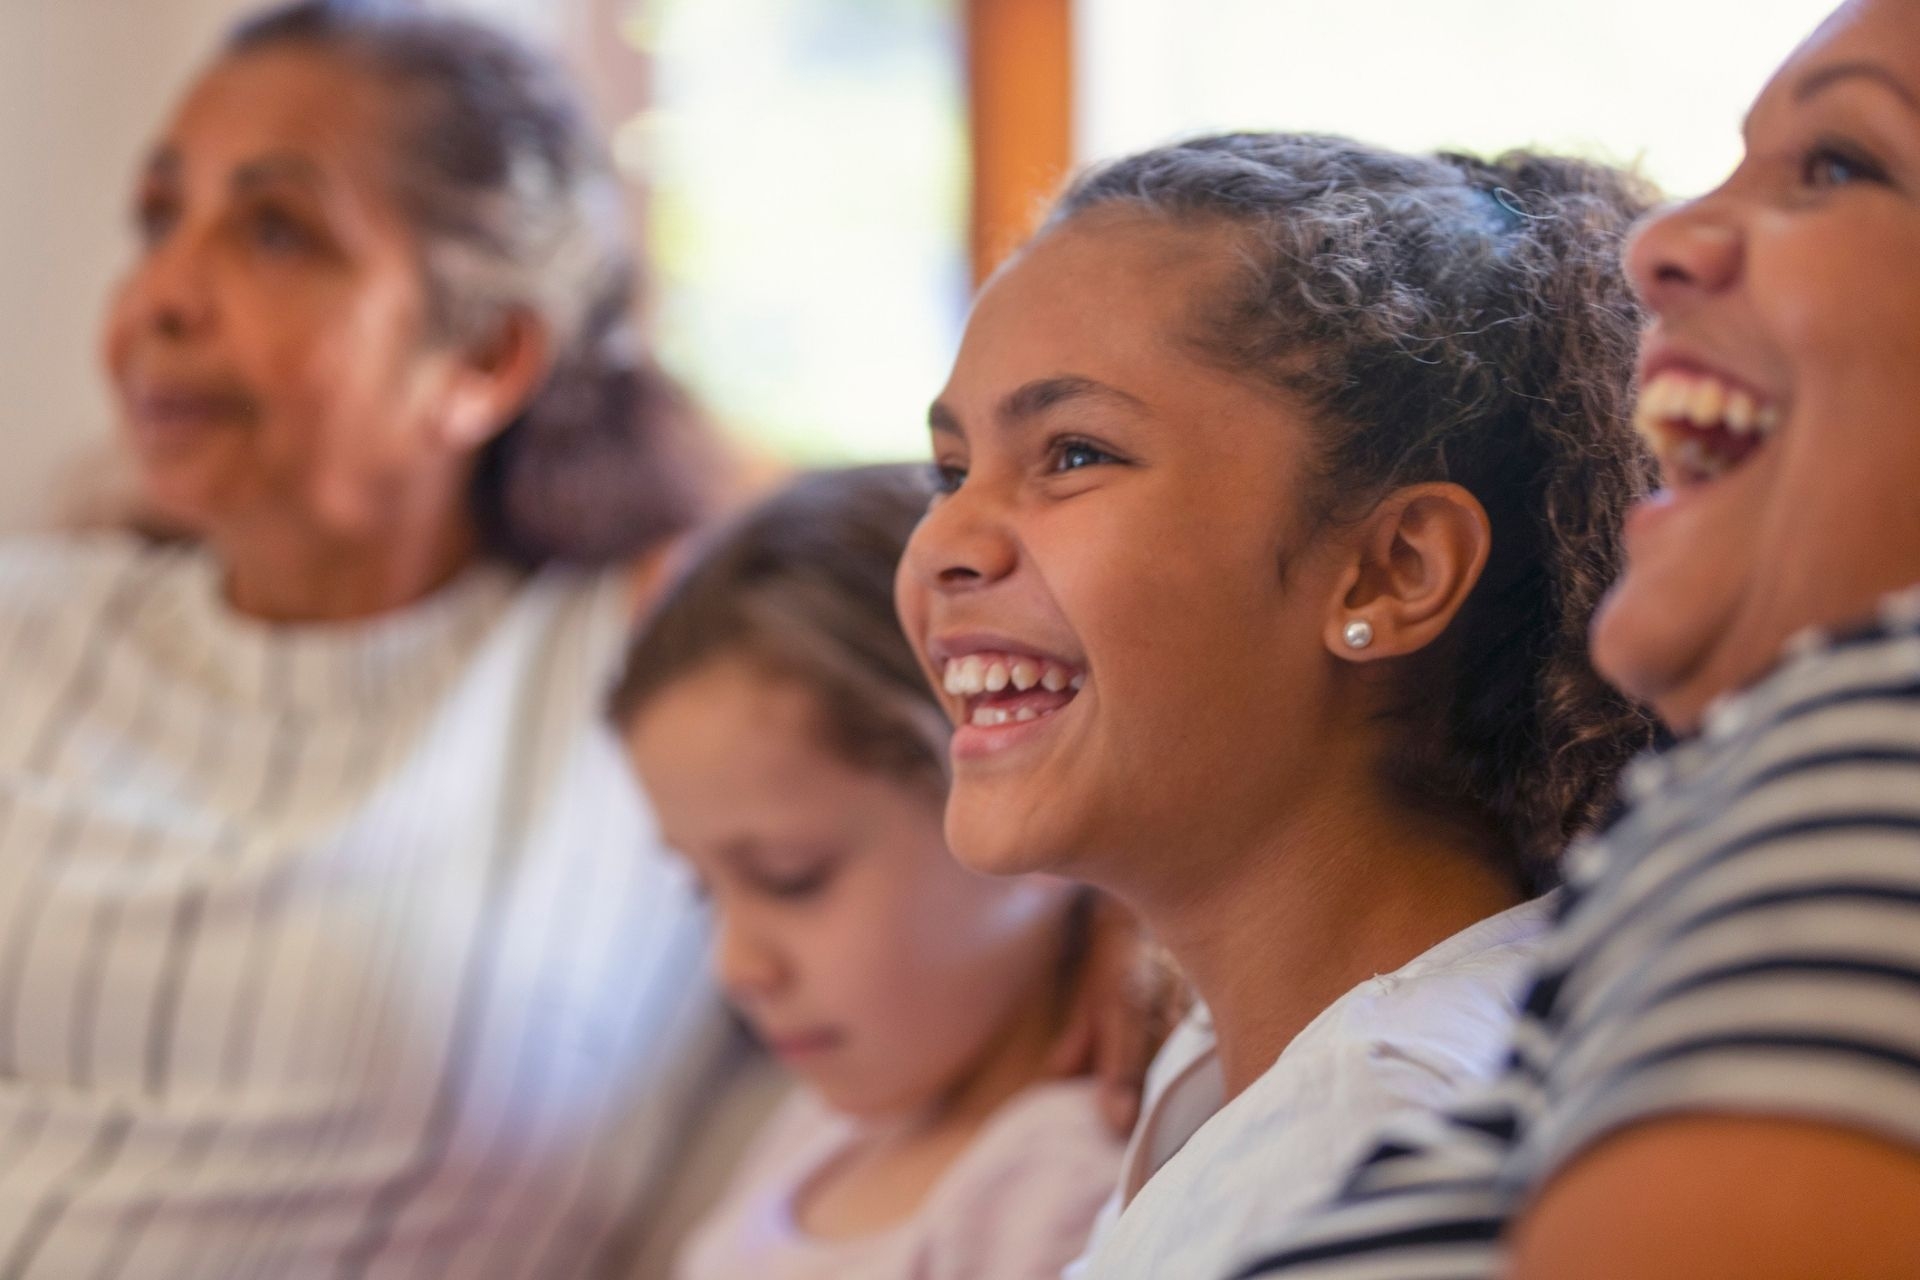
54, 572
1046, 1123
1718, 1197
1022, 1200
1416, 1035
1750, 941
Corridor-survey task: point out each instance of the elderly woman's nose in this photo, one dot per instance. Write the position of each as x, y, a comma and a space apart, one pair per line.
1685, 251
170, 291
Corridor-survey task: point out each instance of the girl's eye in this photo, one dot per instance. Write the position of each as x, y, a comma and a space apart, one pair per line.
1072, 455
796, 886
1828, 165
948, 477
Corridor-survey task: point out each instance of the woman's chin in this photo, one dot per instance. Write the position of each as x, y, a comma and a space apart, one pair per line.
1650, 650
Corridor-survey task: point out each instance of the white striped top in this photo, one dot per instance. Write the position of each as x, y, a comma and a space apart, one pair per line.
342, 950
1746, 938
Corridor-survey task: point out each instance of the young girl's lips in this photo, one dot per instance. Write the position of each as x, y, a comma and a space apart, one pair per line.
981, 742
803, 1044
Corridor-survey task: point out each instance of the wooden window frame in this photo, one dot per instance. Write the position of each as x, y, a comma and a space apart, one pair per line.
1020, 118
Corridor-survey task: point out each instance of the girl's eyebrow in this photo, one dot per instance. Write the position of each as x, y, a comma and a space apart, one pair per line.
1826, 77
1029, 401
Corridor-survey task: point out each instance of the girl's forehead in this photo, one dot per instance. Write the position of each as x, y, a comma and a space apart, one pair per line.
1116, 299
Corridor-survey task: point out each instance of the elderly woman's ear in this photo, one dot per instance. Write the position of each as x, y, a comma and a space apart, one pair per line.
493, 377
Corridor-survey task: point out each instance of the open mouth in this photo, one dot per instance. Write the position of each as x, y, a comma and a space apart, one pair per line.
998, 688
1702, 426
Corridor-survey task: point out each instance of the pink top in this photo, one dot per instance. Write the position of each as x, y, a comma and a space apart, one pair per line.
1016, 1205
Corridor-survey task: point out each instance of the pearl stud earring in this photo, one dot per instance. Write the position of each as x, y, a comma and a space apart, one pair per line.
1358, 634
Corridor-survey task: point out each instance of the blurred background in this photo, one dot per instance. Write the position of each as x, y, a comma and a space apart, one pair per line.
819, 183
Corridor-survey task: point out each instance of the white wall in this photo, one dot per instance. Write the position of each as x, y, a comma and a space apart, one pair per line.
82, 85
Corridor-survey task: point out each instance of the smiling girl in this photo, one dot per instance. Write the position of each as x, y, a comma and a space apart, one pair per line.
795, 757
1280, 478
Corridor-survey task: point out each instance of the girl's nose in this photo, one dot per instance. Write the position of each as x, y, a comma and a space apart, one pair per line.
746, 965
960, 545
1686, 252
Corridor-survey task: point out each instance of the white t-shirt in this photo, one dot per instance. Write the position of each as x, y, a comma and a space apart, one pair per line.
341, 950
1015, 1205
1205, 1186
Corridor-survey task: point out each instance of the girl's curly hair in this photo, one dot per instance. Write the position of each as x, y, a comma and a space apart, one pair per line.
1447, 318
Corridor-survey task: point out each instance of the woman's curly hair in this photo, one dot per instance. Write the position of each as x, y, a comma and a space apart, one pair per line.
1446, 318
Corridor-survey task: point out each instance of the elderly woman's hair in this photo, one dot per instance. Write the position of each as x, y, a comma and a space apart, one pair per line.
801, 587
515, 206
1446, 318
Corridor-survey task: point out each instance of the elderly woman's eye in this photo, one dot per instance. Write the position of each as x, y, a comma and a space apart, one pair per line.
153, 217
1829, 165
278, 232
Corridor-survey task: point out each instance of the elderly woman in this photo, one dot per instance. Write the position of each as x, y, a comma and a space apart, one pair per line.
332, 938
1718, 1071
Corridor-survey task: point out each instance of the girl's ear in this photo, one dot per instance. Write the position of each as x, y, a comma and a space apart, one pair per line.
493, 378
1416, 559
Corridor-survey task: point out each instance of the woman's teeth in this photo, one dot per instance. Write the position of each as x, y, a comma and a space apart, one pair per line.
985, 673
1700, 425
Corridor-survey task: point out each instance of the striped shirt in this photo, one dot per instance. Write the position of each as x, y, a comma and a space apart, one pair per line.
342, 950
1746, 938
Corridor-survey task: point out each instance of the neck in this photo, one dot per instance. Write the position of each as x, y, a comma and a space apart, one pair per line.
1014, 1058
287, 570
1303, 911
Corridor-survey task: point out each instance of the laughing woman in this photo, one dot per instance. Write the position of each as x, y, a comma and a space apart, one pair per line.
1282, 475
1718, 1074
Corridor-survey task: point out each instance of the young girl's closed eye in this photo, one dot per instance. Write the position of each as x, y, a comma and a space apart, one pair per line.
797, 763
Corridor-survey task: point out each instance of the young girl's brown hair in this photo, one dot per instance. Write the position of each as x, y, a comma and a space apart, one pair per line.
802, 586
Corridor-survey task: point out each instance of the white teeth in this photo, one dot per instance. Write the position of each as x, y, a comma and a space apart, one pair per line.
1741, 413
1703, 400
988, 717
976, 674
1025, 714
1708, 401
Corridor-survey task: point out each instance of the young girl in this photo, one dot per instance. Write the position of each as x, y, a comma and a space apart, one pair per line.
1281, 475
795, 758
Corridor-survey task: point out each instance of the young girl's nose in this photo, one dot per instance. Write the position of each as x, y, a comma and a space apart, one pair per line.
1685, 252
745, 963
962, 543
